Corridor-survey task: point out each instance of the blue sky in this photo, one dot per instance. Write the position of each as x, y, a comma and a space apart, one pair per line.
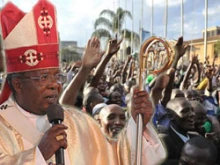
76, 17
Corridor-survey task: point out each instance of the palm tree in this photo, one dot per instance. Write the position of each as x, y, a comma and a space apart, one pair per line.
110, 23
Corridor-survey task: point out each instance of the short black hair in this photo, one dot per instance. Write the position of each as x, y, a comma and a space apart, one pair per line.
203, 143
90, 97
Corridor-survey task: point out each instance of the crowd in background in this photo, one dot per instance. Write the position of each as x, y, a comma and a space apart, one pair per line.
185, 99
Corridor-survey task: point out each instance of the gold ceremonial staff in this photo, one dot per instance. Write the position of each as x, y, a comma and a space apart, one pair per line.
143, 57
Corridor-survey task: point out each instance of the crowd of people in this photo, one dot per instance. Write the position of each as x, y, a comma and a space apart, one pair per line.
101, 100
185, 102
34, 83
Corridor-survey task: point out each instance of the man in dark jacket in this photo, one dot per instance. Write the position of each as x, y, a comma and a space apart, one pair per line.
182, 118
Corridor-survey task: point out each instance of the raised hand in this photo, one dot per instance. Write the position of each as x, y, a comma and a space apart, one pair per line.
92, 55
140, 104
113, 46
180, 49
209, 72
195, 59
207, 60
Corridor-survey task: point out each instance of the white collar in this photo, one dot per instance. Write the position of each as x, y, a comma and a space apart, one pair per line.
39, 122
184, 138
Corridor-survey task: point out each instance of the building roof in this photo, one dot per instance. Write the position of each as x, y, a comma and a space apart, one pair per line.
68, 44
212, 28
201, 40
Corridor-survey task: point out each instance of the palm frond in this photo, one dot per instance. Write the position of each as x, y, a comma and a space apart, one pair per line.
121, 15
107, 12
103, 21
128, 34
101, 33
128, 13
110, 23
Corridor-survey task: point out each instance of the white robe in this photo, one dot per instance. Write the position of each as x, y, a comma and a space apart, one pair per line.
86, 142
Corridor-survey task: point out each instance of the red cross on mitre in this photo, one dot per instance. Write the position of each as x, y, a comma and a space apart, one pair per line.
45, 19
31, 57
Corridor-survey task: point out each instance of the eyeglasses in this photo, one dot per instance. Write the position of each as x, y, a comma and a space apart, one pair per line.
45, 79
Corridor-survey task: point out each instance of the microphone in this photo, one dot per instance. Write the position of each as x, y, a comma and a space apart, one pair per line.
55, 116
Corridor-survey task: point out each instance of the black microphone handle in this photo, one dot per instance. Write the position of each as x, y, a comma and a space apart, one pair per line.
56, 122
60, 152
60, 157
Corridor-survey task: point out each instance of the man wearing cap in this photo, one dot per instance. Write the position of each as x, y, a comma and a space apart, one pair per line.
35, 82
96, 110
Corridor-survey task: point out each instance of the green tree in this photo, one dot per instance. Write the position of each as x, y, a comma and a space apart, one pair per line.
111, 23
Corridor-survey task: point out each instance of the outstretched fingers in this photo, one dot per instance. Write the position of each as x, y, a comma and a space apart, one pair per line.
94, 42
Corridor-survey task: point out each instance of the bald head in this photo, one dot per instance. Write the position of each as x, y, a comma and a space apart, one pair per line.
182, 115
176, 93
177, 104
112, 120
109, 108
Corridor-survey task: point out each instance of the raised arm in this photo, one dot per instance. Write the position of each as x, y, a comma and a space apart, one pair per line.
123, 73
209, 75
194, 60
90, 59
113, 47
164, 82
180, 50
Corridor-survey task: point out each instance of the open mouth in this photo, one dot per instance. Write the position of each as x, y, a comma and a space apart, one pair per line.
51, 99
119, 102
117, 129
